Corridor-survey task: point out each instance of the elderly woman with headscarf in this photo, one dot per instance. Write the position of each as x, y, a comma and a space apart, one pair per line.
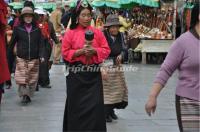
29, 50
114, 85
84, 110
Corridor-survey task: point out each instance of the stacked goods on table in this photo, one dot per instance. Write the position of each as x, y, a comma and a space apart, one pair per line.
151, 23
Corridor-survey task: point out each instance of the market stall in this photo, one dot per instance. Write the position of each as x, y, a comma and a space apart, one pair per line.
49, 6
155, 29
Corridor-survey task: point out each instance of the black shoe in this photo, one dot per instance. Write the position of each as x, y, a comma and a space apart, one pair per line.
37, 88
113, 115
8, 87
26, 99
108, 119
46, 86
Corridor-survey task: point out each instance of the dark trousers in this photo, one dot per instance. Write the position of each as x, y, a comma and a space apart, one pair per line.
109, 109
8, 83
1, 91
1, 86
44, 66
44, 74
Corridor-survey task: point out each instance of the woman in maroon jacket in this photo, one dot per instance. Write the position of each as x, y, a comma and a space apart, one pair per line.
4, 72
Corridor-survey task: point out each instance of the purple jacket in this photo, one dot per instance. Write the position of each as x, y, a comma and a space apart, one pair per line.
183, 55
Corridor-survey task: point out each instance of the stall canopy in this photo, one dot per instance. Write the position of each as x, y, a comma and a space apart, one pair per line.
125, 3
150, 3
128, 3
47, 6
96, 3
106, 3
44, 5
16, 5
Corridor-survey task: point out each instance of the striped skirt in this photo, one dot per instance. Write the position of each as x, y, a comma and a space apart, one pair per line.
115, 88
26, 75
188, 114
26, 71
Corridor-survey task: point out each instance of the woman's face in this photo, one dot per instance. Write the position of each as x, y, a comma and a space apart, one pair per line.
28, 18
85, 18
41, 18
114, 30
9, 12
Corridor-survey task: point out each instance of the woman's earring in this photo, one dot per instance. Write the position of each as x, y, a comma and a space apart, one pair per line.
76, 21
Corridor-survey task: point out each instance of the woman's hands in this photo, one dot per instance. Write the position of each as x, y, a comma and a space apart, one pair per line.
119, 59
90, 51
150, 106
87, 51
151, 103
42, 60
104, 74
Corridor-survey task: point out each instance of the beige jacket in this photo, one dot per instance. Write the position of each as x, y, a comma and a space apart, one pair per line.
55, 18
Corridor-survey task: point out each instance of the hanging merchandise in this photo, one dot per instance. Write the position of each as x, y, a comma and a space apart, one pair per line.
186, 13
152, 23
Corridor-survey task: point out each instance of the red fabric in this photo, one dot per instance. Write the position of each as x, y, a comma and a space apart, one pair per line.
188, 18
4, 71
44, 29
75, 39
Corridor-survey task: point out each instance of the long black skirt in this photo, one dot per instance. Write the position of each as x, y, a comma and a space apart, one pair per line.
44, 66
84, 110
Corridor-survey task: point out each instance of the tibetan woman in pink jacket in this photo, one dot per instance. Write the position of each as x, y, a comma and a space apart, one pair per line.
84, 110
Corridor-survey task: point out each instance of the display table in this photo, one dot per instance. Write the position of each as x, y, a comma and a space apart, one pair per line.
154, 46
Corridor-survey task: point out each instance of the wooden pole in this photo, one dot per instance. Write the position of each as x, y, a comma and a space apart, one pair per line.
174, 19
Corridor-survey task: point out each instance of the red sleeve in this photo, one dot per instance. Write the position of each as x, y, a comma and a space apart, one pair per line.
67, 51
103, 50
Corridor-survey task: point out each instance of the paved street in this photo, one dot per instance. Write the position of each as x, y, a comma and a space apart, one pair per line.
45, 113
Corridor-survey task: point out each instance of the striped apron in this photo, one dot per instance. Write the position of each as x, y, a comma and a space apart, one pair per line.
188, 114
26, 74
115, 88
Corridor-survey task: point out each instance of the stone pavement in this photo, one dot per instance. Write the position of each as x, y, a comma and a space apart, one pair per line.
45, 113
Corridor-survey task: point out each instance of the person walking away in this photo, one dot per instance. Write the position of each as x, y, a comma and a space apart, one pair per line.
55, 18
66, 16
29, 51
114, 85
48, 34
183, 56
4, 71
84, 109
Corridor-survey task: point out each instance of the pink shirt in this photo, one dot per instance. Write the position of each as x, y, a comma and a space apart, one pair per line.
184, 56
75, 39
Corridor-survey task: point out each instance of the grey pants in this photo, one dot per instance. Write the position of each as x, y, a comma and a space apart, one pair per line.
27, 90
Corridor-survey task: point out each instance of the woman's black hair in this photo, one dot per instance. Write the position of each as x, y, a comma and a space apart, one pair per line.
76, 12
194, 16
29, 4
